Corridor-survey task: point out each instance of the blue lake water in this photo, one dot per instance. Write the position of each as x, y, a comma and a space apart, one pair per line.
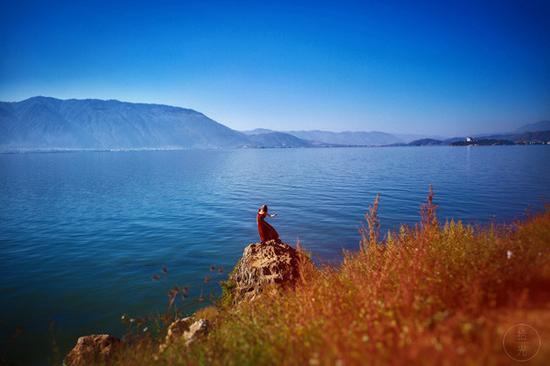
82, 234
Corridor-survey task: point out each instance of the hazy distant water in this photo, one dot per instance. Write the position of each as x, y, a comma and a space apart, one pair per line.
82, 234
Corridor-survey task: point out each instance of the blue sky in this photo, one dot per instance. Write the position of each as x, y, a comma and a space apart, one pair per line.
439, 67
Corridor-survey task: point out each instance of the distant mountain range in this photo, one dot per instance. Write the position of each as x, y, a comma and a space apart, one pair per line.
515, 138
44, 123
535, 127
346, 138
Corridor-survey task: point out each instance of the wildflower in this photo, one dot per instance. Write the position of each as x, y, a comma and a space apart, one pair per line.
509, 254
145, 329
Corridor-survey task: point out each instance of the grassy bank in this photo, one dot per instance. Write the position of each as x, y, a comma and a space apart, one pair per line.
436, 293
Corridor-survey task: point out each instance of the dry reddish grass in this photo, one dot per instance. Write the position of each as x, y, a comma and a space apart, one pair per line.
430, 294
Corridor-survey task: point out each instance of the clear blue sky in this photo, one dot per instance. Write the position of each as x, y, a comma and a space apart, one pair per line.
441, 67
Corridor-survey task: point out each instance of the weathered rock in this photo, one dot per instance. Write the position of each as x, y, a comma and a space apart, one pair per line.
196, 330
175, 332
184, 329
93, 349
263, 265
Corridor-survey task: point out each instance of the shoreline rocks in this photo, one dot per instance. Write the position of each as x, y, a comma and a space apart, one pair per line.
271, 265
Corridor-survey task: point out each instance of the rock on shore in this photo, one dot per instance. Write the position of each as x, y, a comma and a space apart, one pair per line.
93, 349
185, 329
262, 265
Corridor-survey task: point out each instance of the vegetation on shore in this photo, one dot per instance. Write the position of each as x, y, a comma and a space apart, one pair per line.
436, 293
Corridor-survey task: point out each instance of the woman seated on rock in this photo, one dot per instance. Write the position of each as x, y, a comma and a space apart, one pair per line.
266, 231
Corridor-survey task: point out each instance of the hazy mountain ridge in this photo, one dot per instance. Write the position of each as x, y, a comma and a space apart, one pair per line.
353, 138
534, 127
345, 138
426, 142
277, 139
49, 123
45, 123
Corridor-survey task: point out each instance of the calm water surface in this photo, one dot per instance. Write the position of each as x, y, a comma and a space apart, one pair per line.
82, 234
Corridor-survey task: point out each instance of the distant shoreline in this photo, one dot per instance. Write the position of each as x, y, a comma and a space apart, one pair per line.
76, 150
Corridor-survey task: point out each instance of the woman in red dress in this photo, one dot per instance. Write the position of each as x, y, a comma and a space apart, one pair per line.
266, 231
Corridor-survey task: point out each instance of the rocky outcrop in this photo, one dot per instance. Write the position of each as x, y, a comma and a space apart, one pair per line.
185, 330
271, 264
93, 349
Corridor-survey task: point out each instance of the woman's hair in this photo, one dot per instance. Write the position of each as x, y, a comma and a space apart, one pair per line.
263, 208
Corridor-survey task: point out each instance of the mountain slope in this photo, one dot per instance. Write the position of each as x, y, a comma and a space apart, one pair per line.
49, 123
258, 131
524, 137
359, 138
426, 142
277, 139
534, 127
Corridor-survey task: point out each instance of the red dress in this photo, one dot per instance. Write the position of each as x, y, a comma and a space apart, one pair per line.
266, 231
